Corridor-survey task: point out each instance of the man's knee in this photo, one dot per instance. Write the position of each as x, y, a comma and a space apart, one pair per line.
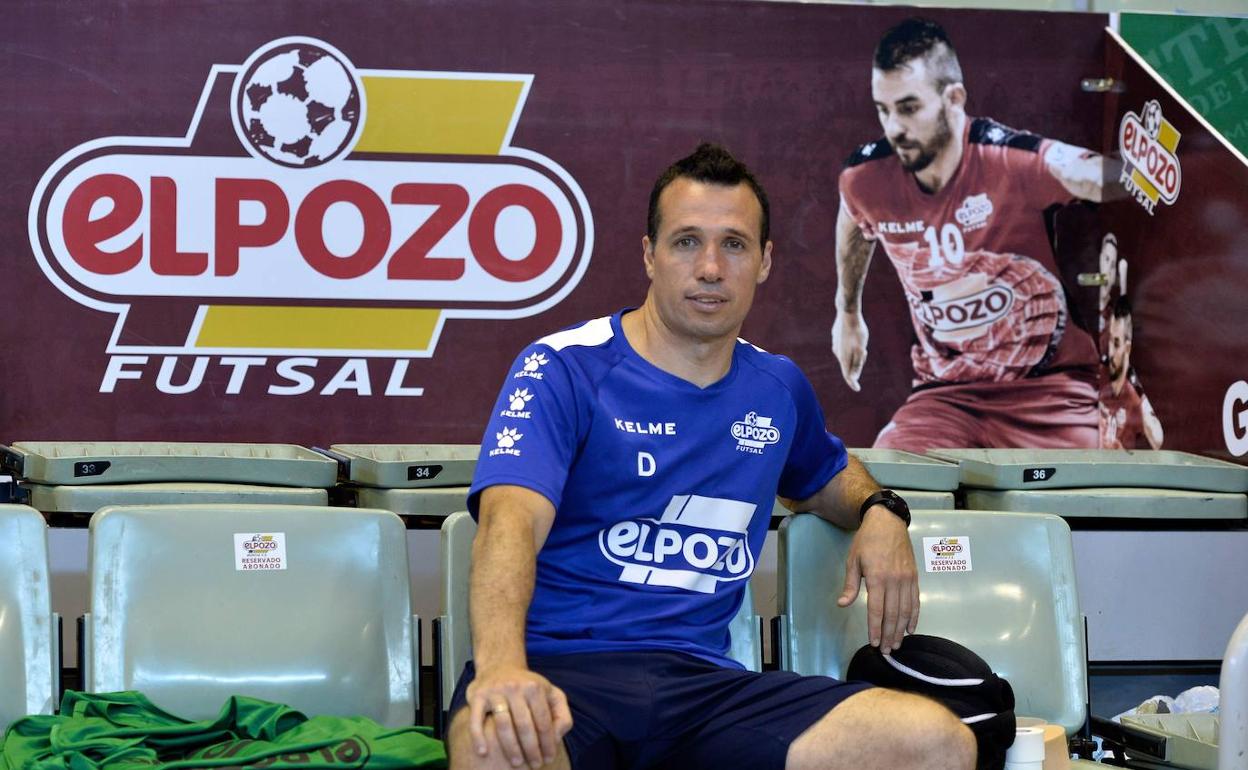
881, 728
463, 755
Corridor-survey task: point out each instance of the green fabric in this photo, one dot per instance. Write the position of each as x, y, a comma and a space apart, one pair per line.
125, 729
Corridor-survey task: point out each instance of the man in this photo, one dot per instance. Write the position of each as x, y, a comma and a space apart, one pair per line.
620, 514
1127, 417
958, 204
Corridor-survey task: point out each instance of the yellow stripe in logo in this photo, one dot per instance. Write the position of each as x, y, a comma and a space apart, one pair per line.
1145, 185
1167, 136
318, 328
441, 116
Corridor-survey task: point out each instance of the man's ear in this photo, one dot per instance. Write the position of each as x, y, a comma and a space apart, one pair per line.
764, 269
955, 93
647, 256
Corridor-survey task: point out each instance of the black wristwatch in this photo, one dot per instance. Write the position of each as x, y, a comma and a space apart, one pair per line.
890, 500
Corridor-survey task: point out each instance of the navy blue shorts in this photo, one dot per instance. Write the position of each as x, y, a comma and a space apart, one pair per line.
672, 710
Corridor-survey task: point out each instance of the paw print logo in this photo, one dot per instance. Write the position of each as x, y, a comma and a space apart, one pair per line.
521, 397
867, 149
995, 134
534, 362
508, 437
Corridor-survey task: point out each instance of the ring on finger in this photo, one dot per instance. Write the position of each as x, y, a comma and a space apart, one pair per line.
501, 708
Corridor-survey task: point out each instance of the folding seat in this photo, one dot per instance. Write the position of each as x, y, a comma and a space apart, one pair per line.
1153, 529
70, 480
1002, 584
924, 482
29, 653
304, 605
453, 634
423, 483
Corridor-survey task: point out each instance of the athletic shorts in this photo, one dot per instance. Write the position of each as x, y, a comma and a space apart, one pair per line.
1051, 412
672, 710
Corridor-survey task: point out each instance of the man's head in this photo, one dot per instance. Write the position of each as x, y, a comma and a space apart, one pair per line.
916, 82
1120, 340
711, 164
706, 249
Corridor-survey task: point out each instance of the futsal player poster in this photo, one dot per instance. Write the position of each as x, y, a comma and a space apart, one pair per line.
343, 228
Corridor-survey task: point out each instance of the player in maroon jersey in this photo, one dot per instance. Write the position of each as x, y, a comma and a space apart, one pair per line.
1127, 417
957, 203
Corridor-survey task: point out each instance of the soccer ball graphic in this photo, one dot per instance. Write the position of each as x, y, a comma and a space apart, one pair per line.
298, 103
1152, 118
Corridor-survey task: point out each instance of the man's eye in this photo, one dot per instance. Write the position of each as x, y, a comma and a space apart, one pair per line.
686, 242
733, 243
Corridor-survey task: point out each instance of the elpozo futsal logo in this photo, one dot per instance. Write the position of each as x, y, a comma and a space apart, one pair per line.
312, 209
1149, 144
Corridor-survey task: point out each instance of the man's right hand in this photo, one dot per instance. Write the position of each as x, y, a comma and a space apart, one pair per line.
528, 713
849, 345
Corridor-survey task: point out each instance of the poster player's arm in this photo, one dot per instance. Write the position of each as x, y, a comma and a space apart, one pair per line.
849, 331
1082, 172
1152, 425
529, 714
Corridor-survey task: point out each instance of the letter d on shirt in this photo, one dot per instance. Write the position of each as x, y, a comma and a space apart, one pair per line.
645, 464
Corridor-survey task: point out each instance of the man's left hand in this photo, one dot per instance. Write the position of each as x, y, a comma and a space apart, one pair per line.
881, 554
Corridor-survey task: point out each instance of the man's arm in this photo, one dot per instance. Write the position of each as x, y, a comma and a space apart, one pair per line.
1152, 425
880, 553
529, 714
1082, 172
849, 331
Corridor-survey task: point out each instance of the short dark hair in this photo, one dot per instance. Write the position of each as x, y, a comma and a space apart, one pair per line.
917, 38
710, 164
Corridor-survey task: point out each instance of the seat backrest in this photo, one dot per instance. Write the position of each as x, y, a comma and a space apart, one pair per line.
28, 659
304, 605
745, 645
1002, 584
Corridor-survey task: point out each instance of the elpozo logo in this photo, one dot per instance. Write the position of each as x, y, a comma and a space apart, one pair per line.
338, 212
1149, 144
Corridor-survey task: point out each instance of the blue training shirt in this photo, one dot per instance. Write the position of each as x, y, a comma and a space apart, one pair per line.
663, 490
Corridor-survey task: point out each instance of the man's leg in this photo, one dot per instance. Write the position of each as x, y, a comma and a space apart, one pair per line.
880, 729
929, 421
463, 757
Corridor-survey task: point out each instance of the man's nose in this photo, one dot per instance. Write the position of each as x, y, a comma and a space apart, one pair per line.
709, 264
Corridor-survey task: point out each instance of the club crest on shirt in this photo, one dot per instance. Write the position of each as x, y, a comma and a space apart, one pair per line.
754, 432
974, 212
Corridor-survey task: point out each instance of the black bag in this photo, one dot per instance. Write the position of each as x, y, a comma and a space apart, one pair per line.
947, 672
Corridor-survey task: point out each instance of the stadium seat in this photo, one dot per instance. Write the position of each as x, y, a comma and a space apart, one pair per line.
29, 655
453, 637
924, 482
79, 463
180, 611
1016, 605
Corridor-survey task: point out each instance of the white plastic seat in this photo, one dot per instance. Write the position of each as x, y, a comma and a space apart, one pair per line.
175, 614
1016, 606
29, 659
454, 641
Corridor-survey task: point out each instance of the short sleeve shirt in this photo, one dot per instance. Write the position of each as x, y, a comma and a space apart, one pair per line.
663, 490
974, 258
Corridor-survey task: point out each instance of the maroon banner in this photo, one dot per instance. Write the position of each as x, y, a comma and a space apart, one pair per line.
1176, 338
340, 224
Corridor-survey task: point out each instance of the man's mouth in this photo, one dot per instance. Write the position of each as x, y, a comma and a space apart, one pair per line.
707, 300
